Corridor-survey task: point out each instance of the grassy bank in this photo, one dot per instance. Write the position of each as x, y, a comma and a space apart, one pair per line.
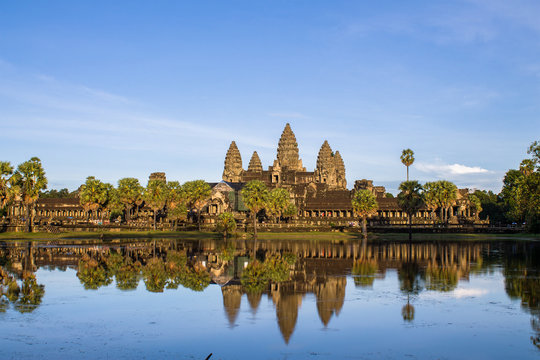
312, 235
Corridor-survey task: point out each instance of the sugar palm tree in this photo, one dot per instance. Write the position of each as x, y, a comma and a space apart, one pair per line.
5, 173
129, 191
30, 180
410, 199
448, 196
155, 196
430, 197
92, 196
197, 193
176, 203
278, 200
255, 196
407, 158
364, 204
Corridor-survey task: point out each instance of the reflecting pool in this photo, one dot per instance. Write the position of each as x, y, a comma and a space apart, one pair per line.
270, 299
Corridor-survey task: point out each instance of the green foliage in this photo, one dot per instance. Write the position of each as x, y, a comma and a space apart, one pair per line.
521, 190
364, 203
197, 193
290, 210
130, 193
5, 172
407, 158
440, 194
278, 200
255, 195
93, 194
176, 202
410, 198
30, 177
389, 195
56, 194
226, 223
476, 204
492, 206
155, 196
25, 297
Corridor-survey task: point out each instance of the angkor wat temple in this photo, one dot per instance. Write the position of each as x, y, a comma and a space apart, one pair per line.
321, 196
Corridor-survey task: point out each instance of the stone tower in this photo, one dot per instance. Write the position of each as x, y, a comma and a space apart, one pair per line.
325, 171
255, 163
340, 171
158, 176
287, 153
233, 164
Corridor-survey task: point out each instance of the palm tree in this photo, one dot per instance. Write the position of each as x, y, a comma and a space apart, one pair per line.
364, 204
476, 205
407, 158
129, 191
278, 200
176, 202
448, 196
92, 196
155, 196
5, 172
430, 197
226, 223
255, 195
197, 194
30, 180
410, 199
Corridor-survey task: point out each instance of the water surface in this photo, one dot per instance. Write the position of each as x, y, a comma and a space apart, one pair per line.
286, 300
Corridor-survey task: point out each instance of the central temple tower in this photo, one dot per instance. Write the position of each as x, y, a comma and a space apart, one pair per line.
287, 152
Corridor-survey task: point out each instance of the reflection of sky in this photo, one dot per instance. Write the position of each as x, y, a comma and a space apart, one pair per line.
73, 322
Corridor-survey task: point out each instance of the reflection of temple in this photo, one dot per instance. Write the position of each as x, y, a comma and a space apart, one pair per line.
320, 269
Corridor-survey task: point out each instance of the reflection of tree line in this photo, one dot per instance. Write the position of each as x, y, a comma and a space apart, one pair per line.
284, 271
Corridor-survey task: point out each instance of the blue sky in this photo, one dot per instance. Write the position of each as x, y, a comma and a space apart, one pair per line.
117, 89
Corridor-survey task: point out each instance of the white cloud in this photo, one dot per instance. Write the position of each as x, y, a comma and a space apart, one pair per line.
462, 292
450, 169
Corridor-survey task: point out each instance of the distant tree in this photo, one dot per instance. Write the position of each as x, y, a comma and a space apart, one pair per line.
226, 223
407, 158
364, 204
6, 170
410, 200
129, 192
389, 195
475, 205
255, 196
113, 206
30, 180
176, 203
278, 200
441, 194
521, 190
155, 197
492, 206
290, 211
92, 196
430, 197
197, 194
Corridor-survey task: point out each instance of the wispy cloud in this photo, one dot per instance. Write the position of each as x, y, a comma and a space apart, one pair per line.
443, 170
288, 115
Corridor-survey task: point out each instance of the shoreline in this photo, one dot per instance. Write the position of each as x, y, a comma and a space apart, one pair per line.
312, 236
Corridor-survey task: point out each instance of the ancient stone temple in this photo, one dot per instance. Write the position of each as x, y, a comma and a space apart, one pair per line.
233, 164
287, 169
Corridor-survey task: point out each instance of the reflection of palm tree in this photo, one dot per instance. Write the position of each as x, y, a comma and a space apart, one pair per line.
92, 274
407, 311
365, 271
154, 275
31, 294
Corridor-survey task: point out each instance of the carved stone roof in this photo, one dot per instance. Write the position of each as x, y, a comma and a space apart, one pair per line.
255, 163
287, 153
233, 164
340, 170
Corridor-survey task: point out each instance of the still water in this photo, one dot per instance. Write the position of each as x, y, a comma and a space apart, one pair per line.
270, 300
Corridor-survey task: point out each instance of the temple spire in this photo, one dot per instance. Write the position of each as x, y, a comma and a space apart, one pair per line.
233, 164
255, 163
287, 153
